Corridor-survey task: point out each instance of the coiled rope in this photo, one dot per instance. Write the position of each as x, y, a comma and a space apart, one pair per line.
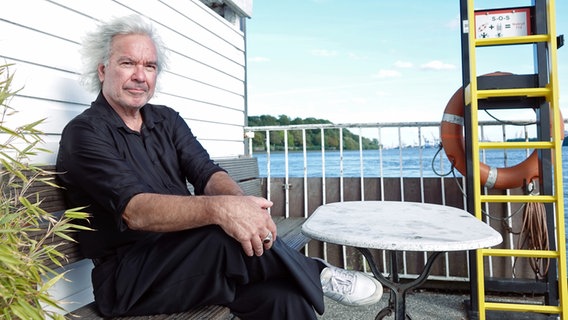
534, 236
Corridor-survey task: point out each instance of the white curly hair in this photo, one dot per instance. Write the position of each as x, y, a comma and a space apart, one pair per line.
96, 47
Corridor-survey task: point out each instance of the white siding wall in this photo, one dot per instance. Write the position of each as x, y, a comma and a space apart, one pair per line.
204, 81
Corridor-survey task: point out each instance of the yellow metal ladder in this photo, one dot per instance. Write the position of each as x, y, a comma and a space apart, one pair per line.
555, 200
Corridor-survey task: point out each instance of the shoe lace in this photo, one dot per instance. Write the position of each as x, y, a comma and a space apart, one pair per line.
341, 281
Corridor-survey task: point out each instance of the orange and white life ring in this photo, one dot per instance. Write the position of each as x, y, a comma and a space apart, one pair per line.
451, 133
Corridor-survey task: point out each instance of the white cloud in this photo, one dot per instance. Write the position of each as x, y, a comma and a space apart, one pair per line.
323, 53
403, 64
359, 100
385, 73
437, 65
259, 59
356, 57
454, 23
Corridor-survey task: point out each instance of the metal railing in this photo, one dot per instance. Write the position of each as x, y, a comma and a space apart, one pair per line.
392, 144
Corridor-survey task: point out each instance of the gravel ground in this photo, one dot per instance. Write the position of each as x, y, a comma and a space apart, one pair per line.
423, 305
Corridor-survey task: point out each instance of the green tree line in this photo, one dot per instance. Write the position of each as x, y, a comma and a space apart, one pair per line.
313, 136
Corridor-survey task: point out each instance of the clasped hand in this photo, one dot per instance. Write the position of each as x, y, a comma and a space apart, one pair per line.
246, 219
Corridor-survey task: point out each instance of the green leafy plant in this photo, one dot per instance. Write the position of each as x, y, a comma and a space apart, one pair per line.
26, 230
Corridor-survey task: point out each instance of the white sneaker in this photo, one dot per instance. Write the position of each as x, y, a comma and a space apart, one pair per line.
350, 288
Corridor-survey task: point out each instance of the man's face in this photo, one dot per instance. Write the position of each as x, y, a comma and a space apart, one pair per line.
129, 80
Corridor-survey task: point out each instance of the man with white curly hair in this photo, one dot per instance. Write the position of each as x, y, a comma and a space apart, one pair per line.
156, 247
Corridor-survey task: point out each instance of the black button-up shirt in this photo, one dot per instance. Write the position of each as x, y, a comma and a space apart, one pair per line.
104, 164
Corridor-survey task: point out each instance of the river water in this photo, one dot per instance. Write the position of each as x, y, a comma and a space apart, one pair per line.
404, 162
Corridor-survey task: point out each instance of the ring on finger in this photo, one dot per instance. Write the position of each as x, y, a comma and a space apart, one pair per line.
268, 237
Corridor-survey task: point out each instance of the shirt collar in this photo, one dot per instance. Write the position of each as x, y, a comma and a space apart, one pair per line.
149, 117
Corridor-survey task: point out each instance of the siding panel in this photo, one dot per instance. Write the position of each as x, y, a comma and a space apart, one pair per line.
97, 10
28, 45
18, 12
189, 49
207, 73
55, 113
45, 83
179, 86
201, 15
192, 110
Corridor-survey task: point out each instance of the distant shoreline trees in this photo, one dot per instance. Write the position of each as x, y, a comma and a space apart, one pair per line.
313, 136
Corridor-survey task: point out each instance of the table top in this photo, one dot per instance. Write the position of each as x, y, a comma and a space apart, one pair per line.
395, 225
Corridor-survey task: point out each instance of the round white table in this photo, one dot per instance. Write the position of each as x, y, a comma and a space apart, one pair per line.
399, 226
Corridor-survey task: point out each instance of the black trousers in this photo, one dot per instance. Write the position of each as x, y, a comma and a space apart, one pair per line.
174, 272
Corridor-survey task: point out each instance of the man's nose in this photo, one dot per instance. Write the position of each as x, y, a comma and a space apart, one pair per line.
139, 74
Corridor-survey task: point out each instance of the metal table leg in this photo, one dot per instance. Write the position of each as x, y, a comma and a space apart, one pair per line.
397, 301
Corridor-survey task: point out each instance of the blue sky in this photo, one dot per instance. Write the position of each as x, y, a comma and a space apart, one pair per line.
371, 60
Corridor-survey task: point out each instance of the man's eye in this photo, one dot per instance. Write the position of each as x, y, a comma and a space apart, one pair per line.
151, 67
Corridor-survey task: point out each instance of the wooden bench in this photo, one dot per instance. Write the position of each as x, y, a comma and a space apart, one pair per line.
77, 291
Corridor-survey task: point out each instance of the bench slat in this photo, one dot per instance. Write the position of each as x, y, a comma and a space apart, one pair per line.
240, 169
89, 312
251, 187
289, 229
